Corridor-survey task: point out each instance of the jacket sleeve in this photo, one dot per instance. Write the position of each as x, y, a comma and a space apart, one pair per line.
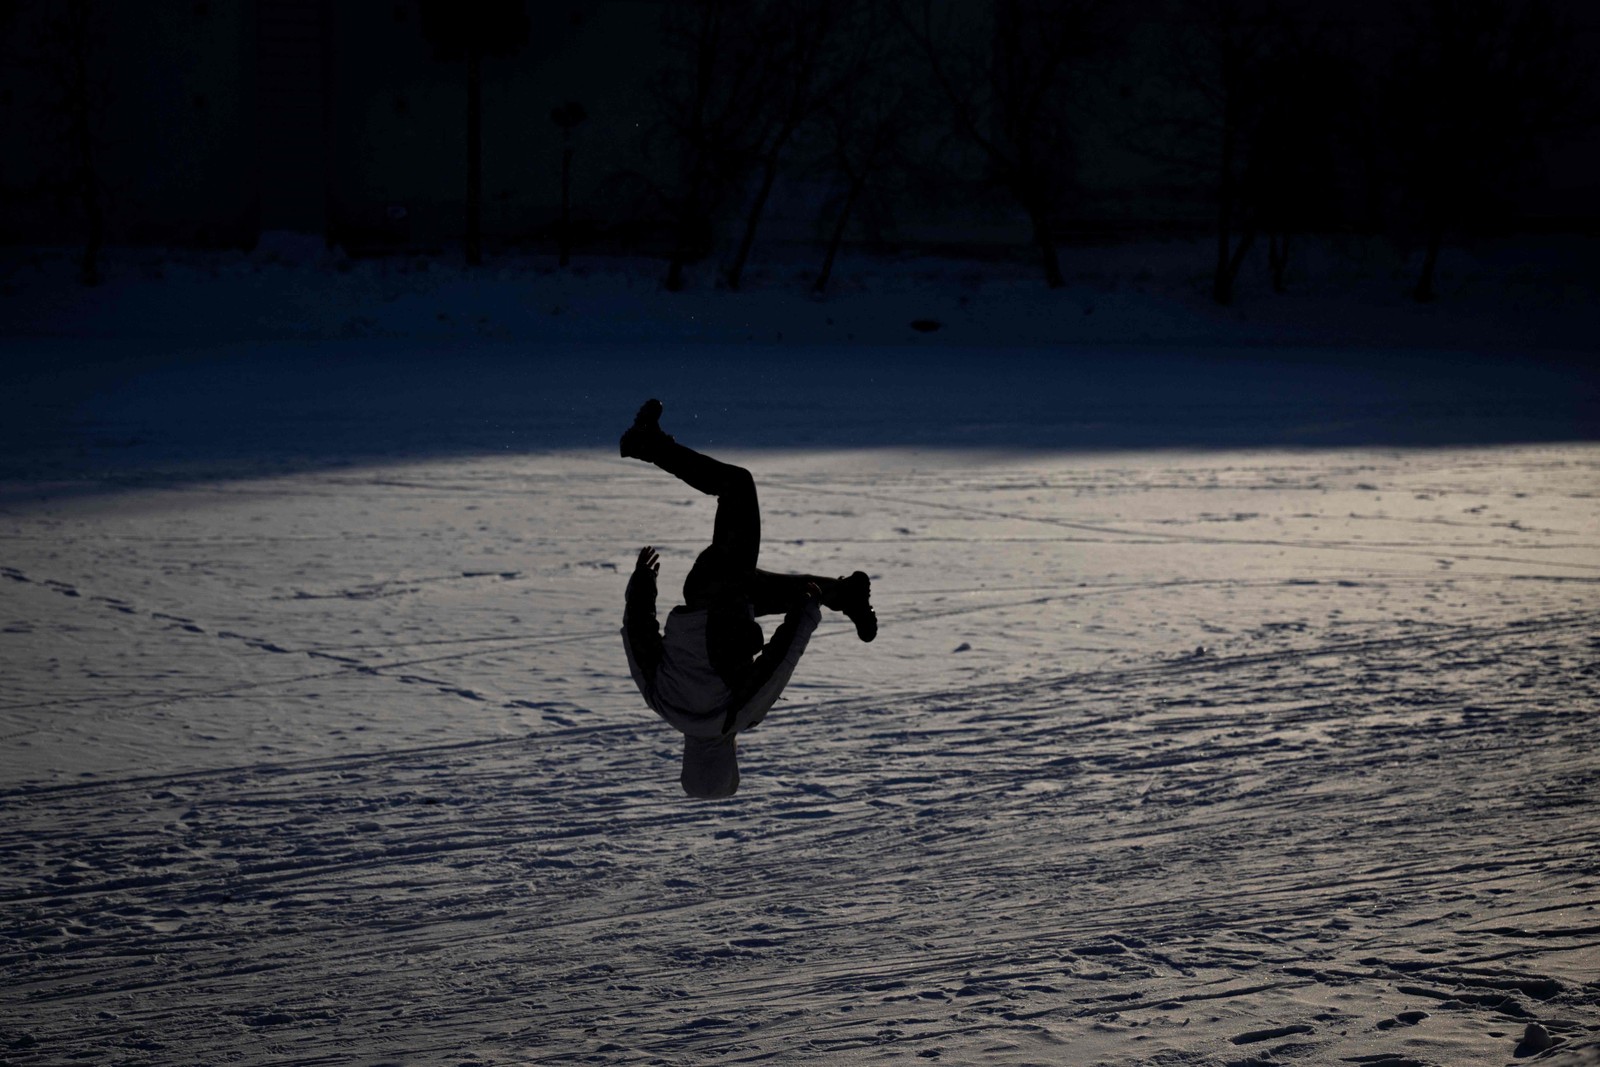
773, 668
641, 634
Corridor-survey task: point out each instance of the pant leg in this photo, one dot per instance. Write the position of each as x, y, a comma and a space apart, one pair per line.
737, 532
776, 594
723, 571
710, 476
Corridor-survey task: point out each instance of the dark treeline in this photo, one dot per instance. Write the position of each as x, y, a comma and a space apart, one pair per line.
1265, 121
1421, 119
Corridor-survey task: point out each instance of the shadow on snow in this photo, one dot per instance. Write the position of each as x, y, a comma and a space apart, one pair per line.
89, 415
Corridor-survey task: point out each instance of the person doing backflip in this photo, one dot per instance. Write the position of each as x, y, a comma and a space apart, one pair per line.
711, 674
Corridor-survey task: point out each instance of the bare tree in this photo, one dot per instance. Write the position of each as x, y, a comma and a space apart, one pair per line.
799, 39
569, 117
1291, 183
1222, 50
865, 121
1246, 105
711, 102
1480, 83
1008, 95
473, 30
70, 39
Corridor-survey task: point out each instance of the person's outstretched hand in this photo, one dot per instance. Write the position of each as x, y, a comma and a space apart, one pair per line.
648, 561
813, 591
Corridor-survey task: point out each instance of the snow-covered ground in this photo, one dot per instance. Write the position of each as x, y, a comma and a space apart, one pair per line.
1512, 294
1233, 705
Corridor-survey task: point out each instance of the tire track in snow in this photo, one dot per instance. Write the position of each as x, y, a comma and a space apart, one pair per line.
1424, 550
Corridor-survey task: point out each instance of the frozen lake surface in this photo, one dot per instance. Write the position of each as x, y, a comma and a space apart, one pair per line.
1244, 716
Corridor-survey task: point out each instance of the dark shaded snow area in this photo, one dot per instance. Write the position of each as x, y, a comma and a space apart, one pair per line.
188, 363
87, 412
1236, 701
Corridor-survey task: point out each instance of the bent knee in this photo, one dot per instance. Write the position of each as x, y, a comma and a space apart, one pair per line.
739, 480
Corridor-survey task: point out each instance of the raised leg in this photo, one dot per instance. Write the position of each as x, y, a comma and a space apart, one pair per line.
777, 594
723, 572
736, 537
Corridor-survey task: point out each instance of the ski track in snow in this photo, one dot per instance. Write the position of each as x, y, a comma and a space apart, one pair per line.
1222, 759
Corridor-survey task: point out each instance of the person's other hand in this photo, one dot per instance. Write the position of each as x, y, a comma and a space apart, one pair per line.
648, 561
813, 591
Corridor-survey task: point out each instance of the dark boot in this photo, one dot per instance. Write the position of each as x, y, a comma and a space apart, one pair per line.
644, 439
853, 597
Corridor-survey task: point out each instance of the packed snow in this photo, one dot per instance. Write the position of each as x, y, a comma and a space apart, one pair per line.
1233, 704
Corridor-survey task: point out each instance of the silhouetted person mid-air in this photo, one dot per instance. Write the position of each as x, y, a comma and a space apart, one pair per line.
710, 674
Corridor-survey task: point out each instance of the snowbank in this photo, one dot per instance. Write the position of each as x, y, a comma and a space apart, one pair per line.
1523, 295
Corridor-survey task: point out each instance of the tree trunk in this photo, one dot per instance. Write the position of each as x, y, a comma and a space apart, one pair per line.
89, 187
704, 51
1045, 238
688, 217
1424, 292
1373, 175
680, 251
769, 174
1236, 261
674, 282
1223, 275
474, 237
565, 237
856, 185
1228, 260
86, 179
1278, 256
